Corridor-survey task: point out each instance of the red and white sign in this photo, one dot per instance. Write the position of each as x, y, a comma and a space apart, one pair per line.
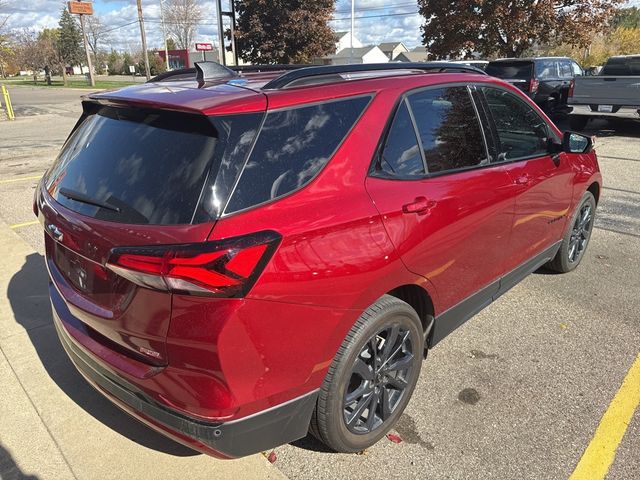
204, 47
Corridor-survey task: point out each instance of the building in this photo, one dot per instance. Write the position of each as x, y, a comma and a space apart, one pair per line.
368, 54
412, 56
393, 49
343, 40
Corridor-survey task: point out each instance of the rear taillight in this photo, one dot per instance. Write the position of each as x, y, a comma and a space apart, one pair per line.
223, 268
572, 86
533, 86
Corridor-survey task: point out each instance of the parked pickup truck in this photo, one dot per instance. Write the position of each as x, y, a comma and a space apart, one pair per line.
615, 93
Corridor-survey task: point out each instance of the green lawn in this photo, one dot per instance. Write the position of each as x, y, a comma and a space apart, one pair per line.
71, 83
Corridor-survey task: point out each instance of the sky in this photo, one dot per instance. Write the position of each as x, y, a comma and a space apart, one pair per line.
376, 21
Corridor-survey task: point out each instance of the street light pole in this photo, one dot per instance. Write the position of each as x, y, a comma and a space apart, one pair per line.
164, 34
221, 55
144, 41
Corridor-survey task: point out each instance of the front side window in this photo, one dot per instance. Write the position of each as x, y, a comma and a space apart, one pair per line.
576, 69
401, 153
521, 131
293, 145
449, 129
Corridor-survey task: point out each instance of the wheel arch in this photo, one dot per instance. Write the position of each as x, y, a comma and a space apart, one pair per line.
421, 301
594, 188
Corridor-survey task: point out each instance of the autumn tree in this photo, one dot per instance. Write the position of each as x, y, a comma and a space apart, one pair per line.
284, 31
97, 34
509, 27
182, 18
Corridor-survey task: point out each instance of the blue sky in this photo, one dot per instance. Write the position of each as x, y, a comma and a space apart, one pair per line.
388, 20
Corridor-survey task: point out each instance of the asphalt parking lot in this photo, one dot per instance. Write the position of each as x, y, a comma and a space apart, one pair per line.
517, 392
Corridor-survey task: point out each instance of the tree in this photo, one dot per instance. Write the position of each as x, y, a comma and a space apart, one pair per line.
627, 18
509, 27
31, 51
97, 33
182, 20
284, 31
69, 42
171, 44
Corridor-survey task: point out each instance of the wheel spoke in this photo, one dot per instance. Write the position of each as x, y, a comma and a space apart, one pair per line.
401, 364
360, 407
386, 404
373, 405
363, 370
397, 383
357, 393
394, 353
389, 342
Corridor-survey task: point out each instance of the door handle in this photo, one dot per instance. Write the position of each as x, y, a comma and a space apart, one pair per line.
523, 179
421, 206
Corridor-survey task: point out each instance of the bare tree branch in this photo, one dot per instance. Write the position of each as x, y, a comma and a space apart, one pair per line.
182, 19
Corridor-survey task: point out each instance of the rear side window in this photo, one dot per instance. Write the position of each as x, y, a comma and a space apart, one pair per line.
565, 69
140, 166
401, 154
547, 69
292, 147
511, 70
449, 129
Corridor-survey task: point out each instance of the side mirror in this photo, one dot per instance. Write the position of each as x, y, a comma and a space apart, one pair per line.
573, 142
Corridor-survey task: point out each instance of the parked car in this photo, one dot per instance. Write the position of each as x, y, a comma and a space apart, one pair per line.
236, 260
614, 93
546, 80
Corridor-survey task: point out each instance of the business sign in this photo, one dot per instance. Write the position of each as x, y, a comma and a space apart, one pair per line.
81, 8
204, 47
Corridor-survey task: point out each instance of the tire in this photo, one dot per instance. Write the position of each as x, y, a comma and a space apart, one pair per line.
341, 423
576, 239
578, 122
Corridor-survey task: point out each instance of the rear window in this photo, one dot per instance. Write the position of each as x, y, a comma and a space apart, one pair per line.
141, 166
622, 66
510, 70
294, 144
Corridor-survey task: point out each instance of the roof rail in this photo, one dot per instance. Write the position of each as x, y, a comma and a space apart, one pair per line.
266, 68
334, 70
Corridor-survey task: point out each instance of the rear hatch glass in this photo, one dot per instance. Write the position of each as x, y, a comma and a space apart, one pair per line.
518, 73
622, 66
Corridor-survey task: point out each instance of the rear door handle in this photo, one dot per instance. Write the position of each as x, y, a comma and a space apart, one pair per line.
421, 206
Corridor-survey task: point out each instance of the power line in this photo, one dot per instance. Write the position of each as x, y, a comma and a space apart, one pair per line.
362, 17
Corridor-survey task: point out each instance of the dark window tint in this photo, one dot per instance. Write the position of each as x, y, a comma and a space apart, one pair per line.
401, 154
449, 128
136, 166
510, 70
622, 66
565, 69
292, 147
521, 131
546, 69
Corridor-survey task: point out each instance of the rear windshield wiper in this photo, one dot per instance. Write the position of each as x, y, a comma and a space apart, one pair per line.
81, 197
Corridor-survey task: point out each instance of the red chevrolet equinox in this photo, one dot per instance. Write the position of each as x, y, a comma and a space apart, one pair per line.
236, 259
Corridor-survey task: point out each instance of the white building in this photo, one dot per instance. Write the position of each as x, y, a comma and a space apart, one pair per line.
393, 49
343, 40
368, 54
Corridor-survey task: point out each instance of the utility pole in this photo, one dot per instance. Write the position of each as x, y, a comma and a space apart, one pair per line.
144, 41
92, 80
164, 35
353, 10
221, 55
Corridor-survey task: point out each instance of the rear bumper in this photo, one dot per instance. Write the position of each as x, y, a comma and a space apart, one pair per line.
632, 113
264, 430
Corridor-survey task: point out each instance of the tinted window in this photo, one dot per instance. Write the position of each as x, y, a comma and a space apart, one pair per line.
521, 131
565, 69
292, 147
546, 69
622, 66
401, 154
142, 166
510, 70
449, 128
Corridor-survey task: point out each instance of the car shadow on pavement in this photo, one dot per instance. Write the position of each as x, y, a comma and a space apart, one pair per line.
28, 293
9, 469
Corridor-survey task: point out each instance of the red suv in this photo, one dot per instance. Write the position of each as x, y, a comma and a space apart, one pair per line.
238, 259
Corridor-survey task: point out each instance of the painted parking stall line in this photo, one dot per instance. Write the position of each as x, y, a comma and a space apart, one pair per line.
15, 226
21, 179
599, 455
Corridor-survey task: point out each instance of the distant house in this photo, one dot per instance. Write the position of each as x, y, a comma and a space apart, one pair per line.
368, 54
412, 56
393, 49
419, 48
343, 40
